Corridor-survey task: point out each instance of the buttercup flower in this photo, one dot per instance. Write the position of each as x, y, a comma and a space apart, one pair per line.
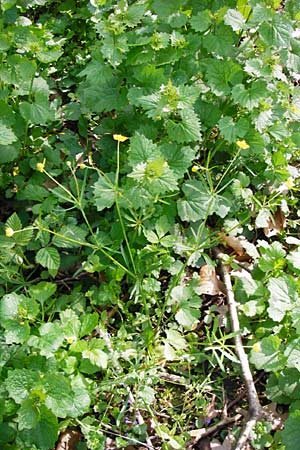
9, 232
41, 166
120, 137
242, 144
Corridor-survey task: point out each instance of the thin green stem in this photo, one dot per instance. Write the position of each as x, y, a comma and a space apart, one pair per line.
228, 168
93, 246
119, 211
61, 186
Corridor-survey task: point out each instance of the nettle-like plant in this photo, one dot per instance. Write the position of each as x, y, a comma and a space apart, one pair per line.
134, 137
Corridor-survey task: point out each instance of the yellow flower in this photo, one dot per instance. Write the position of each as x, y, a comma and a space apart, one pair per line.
15, 171
256, 347
120, 137
195, 168
295, 109
9, 232
242, 144
290, 183
41, 166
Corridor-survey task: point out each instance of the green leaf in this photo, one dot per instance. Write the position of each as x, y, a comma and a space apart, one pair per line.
176, 339
263, 218
222, 75
70, 323
88, 323
202, 21
7, 136
49, 55
166, 8
14, 306
280, 300
69, 233
7, 433
273, 255
235, 19
21, 73
114, 49
48, 257
250, 97
294, 259
14, 222
292, 353
28, 415
101, 97
42, 291
51, 338
60, 397
9, 153
45, 433
141, 150
187, 306
187, 316
219, 41
24, 237
186, 128
104, 191
20, 382
155, 176
16, 332
38, 113
95, 354
267, 354
278, 33
232, 130
179, 158
290, 434
199, 202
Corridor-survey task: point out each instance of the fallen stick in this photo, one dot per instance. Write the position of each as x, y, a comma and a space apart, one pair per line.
254, 409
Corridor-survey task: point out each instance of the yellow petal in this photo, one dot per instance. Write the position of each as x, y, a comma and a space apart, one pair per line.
120, 137
256, 347
9, 232
195, 168
40, 167
242, 144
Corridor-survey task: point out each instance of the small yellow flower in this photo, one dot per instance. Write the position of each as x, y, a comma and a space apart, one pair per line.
290, 183
15, 171
295, 109
40, 167
120, 137
256, 347
242, 144
195, 168
9, 232
70, 339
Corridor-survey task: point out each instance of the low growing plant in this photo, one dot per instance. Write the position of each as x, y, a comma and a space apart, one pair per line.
136, 136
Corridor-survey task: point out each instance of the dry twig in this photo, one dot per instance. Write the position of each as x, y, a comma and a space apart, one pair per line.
255, 409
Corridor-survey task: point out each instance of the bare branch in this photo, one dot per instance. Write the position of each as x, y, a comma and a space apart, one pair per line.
255, 409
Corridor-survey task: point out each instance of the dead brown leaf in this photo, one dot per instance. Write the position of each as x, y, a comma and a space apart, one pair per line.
272, 415
233, 242
209, 282
68, 440
226, 445
276, 223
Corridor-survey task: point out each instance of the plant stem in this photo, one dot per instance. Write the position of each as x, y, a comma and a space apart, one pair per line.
119, 211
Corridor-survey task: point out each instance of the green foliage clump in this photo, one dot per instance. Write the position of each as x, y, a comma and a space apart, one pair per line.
135, 136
